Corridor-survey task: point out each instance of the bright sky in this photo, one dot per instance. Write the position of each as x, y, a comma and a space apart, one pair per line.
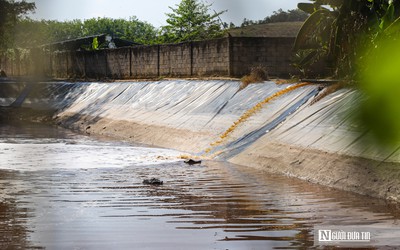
153, 11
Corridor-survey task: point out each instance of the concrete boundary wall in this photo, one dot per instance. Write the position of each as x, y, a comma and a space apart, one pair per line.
227, 57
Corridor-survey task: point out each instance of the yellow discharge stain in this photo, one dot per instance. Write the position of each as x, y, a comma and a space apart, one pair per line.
281, 81
251, 112
185, 157
188, 157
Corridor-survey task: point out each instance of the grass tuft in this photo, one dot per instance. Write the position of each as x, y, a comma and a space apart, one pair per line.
329, 90
258, 74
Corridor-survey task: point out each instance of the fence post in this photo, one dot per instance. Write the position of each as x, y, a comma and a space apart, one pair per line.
67, 62
130, 62
84, 64
191, 58
230, 56
105, 61
52, 73
158, 59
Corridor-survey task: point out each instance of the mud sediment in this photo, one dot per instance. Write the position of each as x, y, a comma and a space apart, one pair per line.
24, 114
355, 174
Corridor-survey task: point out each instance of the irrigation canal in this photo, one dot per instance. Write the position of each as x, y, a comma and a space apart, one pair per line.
62, 190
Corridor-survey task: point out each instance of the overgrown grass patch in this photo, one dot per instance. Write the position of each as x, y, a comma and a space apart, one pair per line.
258, 74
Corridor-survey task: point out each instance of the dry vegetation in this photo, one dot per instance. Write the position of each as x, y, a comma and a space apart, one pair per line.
329, 90
258, 74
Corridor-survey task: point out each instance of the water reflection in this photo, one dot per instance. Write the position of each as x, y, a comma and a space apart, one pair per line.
212, 206
13, 230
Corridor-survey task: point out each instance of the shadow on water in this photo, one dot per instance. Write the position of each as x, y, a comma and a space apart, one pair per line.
212, 206
13, 229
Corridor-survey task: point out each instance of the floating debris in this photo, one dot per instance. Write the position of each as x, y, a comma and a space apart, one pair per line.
153, 181
192, 162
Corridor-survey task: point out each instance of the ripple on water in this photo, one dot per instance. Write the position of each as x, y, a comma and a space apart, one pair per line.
90, 194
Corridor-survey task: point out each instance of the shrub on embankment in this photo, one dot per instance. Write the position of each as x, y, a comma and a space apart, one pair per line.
359, 41
257, 74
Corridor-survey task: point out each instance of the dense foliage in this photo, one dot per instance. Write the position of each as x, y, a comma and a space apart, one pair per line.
10, 13
30, 33
191, 21
360, 40
341, 32
295, 15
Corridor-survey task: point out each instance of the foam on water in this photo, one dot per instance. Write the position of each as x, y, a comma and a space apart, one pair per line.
38, 149
29, 156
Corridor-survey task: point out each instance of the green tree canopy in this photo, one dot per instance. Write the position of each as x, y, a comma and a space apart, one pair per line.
294, 15
341, 31
132, 29
360, 40
31, 33
10, 13
191, 21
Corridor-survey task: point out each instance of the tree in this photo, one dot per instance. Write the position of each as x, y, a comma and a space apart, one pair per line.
294, 15
191, 21
10, 13
343, 32
31, 33
132, 29
360, 39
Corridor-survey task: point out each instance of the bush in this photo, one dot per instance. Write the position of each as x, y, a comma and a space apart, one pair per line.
258, 74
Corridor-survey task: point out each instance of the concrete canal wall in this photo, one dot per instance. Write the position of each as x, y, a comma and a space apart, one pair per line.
288, 134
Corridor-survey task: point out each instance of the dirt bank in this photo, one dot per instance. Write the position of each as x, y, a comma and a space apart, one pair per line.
355, 174
160, 136
13, 114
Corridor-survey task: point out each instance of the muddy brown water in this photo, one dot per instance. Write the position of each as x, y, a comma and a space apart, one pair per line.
61, 190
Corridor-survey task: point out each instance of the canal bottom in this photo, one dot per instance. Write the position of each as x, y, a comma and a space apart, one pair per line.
62, 190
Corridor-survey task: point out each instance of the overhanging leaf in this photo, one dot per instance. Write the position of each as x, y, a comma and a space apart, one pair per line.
310, 58
306, 7
309, 27
333, 3
388, 17
393, 28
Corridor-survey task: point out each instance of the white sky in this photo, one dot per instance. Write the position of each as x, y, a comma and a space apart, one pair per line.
153, 11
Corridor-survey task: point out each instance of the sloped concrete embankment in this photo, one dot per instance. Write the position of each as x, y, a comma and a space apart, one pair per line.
316, 142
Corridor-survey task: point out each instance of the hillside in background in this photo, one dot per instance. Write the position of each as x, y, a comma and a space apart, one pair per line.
282, 29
